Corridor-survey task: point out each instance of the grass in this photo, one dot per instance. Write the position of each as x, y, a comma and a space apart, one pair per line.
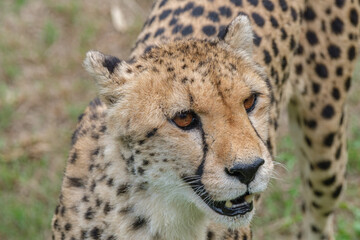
43, 89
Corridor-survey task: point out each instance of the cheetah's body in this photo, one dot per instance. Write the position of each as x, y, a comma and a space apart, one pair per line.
132, 172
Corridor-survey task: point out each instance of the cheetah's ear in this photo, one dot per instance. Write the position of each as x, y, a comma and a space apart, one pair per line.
239, 34
109, 73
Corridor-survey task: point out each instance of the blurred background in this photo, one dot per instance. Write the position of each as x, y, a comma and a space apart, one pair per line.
43, 89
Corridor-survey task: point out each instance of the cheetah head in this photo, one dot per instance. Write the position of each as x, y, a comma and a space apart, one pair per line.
191, 120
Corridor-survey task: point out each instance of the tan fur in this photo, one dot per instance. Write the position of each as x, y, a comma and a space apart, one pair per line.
126, 170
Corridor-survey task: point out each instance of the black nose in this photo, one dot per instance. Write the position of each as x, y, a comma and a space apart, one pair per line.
245, 172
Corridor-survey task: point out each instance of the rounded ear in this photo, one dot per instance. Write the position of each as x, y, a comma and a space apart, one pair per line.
239, 34
109, 73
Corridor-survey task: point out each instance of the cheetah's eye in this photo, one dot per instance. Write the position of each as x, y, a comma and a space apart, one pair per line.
186, 120
250, 102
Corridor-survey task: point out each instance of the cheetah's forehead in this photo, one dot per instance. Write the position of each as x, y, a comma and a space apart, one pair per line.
197, 71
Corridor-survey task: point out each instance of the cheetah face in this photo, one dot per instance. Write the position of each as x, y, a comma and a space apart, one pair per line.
192, 117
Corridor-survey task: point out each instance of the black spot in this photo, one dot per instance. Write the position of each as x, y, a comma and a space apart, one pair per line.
107, 208
268, 5
75, 182
209, 30
312, 38
315, 229
308, 141
173, 21
335, 93
110, 182
67, 227
294, 14
188, 6
210, 235
339, 71
315, 205
324, 165
95, 233
283, 5
225, 11
122, 189
309, 14
337, 26
338, 152
222, 32
351, 53
253, 2
315, 88
198, 11
292, 43
139, 223
257, 39
275, 48
329, 139
165, 14
95, 152
329, 181
140, 170
151, 133
283, 34
348, 84
259, 20
354, 18
237, 2
310, 124
98, 202
177, 28
283, 63
299, 50
321, 70
274, 22
148, 48
213, 16
310, 184
187, 30
334, 51
159, 32
337, 192
339, 3
89, 214
151, 20
328, 112
163, 2
267, 57
318, 193
298, 69
110, 63
73, 157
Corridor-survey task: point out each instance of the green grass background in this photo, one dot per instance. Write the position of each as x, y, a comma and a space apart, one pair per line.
43, 89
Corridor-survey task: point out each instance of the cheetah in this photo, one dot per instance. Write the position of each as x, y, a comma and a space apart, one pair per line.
180, 142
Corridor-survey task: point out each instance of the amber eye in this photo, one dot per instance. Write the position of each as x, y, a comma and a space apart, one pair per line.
249, 103
185, 120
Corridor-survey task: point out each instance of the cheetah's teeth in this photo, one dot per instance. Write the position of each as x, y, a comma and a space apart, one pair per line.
249, 198
228, 204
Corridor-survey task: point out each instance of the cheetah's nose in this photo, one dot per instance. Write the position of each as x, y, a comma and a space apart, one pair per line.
245, 172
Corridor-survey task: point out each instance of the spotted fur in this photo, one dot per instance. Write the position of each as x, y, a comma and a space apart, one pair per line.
131, 170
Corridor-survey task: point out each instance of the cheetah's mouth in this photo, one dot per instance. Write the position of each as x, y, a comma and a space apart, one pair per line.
234, 207
238, 206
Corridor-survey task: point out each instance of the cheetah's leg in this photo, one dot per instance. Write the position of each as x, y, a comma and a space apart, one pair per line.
321, 79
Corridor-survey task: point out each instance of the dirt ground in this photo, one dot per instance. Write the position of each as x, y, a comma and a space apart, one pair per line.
43, 88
